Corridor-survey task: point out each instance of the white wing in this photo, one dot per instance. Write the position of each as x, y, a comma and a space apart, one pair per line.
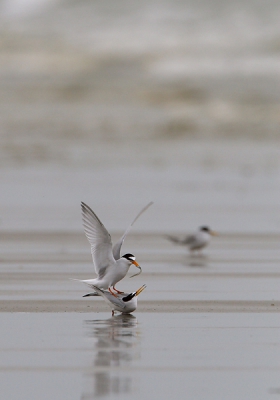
99, 239
118, 245
110, 299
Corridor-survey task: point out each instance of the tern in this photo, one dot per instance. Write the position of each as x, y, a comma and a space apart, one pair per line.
125, 303
197, 241
110, 266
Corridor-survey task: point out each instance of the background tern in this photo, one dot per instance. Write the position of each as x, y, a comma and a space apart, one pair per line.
109, 266
196, 241
125, 303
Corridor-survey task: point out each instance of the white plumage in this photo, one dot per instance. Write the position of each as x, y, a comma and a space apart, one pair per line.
125, 303
109, 266
197, 241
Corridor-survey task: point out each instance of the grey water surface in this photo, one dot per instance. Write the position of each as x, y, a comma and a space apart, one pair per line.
206, 326
78, 356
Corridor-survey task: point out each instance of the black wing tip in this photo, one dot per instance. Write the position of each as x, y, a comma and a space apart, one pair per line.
86, 208
84, 205
87, 211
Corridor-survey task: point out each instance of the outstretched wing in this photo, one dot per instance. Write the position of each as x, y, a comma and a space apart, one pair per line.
187, 241
118, 245
99, 239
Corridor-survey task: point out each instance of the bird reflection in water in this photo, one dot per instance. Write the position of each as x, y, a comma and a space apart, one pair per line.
116, 346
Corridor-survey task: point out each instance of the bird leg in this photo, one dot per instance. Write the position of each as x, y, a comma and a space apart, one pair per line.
117, 290
112, 293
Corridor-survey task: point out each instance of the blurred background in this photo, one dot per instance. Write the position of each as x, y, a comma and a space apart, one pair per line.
117, 103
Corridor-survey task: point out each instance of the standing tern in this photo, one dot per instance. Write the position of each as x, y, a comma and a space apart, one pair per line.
109, 265
125, 303
196, 241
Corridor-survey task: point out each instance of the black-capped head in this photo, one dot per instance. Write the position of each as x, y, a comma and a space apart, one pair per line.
208, 230
205, 229
129, 297
129, 257
133, 294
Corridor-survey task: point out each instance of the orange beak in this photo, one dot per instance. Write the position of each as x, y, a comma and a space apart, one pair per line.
140, 289
138, 266
213, 233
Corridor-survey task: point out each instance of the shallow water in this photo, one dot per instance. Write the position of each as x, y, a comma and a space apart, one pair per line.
206, 326
78, 356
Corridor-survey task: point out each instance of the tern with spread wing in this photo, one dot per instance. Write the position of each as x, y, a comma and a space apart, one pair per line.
109, 265
196, 241
125, 303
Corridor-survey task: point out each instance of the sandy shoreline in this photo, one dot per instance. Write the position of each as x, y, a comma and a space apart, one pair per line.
145, 306
238, 274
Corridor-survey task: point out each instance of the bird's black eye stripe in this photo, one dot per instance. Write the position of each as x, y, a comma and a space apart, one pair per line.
128, 297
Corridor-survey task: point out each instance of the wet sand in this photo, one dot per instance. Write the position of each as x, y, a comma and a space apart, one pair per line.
38, 277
